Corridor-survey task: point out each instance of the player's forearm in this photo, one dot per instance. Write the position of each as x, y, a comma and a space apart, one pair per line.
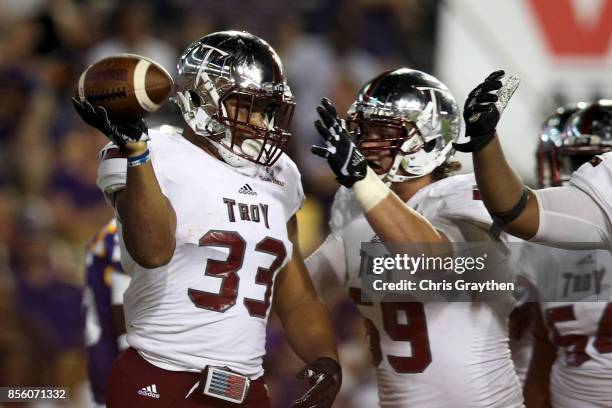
309, 331
501, 189
394, 222
148, 220
326, 267
391, 219
537, 384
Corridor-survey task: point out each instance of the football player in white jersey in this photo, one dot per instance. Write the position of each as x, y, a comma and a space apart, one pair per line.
208, 234
431, 354
577, 215
572, 364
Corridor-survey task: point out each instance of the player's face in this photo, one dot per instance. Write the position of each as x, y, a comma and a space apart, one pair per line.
379, 143
244, 113
258, 125
248, 112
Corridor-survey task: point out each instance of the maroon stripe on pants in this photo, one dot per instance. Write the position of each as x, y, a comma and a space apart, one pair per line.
131, 373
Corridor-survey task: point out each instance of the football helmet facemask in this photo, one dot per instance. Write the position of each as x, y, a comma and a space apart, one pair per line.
404, 119
232, 90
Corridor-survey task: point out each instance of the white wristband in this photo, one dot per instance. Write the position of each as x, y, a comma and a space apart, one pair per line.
370, 191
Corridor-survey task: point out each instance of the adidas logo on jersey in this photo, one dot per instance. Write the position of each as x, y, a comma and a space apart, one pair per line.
246, 189
586, 260
150, 391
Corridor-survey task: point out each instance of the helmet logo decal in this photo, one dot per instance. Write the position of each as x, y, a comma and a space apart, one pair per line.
430, 111
203, 76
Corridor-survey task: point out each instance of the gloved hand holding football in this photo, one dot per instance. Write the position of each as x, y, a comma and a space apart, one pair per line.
119, 133
115, 93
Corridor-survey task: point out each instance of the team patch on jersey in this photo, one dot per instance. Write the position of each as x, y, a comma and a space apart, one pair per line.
271, 178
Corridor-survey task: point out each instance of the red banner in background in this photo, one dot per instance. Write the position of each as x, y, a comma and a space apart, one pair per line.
566, 35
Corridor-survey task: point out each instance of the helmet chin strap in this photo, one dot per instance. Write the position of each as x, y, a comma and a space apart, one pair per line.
240, 164
402, 160
249, 147
201, 124
206, 126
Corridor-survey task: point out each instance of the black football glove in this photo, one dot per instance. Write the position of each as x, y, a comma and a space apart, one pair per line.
480, 113
325, 377
342, 155
118, 133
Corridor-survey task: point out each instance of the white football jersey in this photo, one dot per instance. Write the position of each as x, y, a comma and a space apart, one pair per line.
596, 180
584, 208
431, 354
576, 289
210, 304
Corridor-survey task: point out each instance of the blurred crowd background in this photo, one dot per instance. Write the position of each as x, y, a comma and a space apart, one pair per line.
50, 206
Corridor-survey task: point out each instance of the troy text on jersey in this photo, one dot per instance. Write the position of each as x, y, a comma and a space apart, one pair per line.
247, 212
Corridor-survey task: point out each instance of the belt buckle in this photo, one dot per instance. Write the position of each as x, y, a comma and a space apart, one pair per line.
225, 384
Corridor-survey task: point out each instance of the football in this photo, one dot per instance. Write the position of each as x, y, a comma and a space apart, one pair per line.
128, 86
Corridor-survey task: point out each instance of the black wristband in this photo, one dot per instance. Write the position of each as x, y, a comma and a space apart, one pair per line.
502, 219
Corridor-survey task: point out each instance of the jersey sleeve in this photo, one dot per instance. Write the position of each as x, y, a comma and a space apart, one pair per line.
119, 283
571, 218
296, 199
449, 228
594, 178
454, 208
341, 209
112, 171
327, 265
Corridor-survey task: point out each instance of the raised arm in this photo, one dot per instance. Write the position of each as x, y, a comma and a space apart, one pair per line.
127, 177
511, 205
502, 190
148, 219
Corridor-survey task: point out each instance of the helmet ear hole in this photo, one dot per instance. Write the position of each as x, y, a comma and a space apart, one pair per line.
195, 98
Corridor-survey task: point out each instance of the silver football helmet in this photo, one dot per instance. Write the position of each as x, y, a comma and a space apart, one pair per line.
553, 169
231, 89
572, 135
404, 119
